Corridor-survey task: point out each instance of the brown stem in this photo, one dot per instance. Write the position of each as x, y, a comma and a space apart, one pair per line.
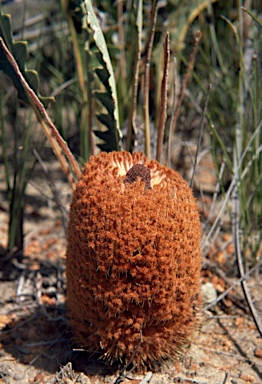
132, 115
147, 77
200, 136
162, 117
168, 148
50, 130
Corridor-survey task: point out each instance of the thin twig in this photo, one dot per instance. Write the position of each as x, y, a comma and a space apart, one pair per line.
48, 126
46, 349
46, 342
122, 373
194, 381
20, 324
237, 357
239, 281
168, 151
236, 236
147, 378
215, 195
225, 378
214, 268
66, 372
162, 118
200, 136
231, 187
147, 78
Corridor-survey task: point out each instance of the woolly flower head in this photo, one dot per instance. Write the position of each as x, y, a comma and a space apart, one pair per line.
133, 259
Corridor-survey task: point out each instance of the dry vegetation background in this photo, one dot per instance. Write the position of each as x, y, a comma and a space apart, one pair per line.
35, 344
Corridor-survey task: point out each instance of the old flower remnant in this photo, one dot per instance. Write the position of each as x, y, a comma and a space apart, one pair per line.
133, 259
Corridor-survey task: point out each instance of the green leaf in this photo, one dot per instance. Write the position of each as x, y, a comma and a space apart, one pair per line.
19, 52
105, 100
107, 137
104, 71
103, 118
103, 76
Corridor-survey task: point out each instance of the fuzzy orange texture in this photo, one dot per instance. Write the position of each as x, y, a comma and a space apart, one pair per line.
133, 260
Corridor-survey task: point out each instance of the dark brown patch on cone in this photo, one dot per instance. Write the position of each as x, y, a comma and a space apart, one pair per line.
139, 171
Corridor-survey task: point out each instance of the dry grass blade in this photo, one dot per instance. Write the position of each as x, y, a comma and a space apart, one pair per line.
215, 196
162, 118
52, 342
200, 136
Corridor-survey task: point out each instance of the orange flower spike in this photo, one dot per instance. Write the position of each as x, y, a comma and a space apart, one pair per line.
133, 259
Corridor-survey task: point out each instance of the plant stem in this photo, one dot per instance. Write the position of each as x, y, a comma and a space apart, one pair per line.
57, 142
85, 135
147, 79
162, 117
132, 114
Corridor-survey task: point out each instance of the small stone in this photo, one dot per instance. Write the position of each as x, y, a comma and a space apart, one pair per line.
247, 378
258, 353
39, 377
82, 379
18, 376
209, 293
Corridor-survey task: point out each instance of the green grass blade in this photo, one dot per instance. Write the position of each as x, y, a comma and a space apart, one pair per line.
19, 52
104, 70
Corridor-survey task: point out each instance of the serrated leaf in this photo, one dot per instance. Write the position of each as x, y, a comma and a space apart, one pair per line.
19, 52
107, 137
105, 74
105, 120
105, 100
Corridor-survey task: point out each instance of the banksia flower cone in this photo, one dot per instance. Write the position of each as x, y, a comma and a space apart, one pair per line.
133, 259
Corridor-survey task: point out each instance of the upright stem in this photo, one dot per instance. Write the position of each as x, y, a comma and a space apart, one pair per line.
84, 126
59, 145
162, 117
132, 114
147, 78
